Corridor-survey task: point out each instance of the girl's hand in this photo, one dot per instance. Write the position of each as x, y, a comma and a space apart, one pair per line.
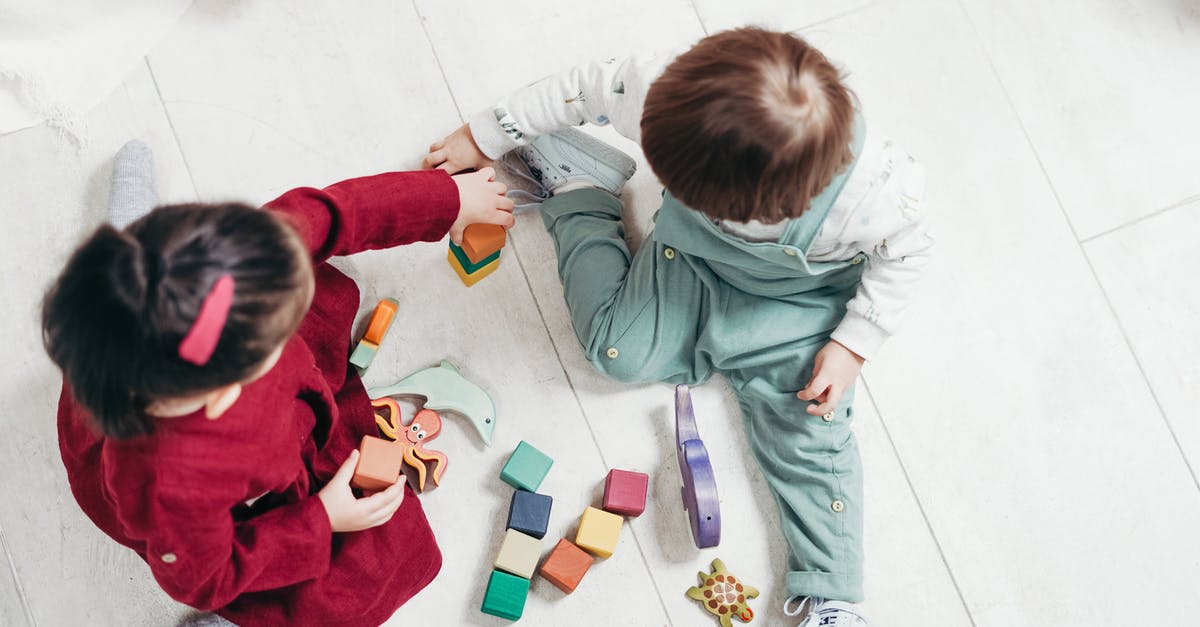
347, 513
480, 199
834, 371
456, 153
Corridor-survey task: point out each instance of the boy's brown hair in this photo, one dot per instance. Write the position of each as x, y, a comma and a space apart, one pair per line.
748, 124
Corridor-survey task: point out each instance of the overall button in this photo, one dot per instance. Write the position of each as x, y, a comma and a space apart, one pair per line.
790, 252
669, 253
169, 558
828, 417
613, 353
857, 260
838, 506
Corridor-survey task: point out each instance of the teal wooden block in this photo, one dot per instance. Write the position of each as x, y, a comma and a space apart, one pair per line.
465, 261
505, 595
363, 354
526, 467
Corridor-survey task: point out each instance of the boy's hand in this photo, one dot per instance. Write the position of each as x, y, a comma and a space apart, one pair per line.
347, 513
834, 371
480, 199
456, 153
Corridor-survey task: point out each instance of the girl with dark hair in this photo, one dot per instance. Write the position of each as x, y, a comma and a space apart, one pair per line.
209, 418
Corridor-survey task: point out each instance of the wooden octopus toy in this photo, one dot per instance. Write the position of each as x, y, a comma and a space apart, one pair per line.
412, 437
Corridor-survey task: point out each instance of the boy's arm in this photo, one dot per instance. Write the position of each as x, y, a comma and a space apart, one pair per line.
890, 230
611, 91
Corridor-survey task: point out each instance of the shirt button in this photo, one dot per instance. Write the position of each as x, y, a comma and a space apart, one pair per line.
857, 260
169, 558
828, 417
613, 353
669, 253
838, 506
790, 252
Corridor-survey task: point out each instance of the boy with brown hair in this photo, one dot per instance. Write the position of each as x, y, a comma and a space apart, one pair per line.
786, 249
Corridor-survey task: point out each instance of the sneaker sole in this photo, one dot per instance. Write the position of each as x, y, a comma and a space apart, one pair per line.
604, 153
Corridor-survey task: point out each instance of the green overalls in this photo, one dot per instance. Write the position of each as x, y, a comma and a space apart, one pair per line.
695, 301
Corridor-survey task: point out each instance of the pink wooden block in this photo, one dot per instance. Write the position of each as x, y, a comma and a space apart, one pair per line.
625, 492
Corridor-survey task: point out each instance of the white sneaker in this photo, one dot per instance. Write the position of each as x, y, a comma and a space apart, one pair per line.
822, 613
572, 157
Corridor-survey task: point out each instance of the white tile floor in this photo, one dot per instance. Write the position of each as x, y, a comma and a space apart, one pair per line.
1029, 437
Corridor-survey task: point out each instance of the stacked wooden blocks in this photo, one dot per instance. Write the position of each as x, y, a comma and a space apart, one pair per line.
377, 327
479, 254
528, 519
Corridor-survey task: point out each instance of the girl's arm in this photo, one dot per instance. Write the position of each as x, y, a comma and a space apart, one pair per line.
392, 209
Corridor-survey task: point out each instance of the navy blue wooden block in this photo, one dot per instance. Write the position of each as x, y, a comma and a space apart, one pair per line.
529, 513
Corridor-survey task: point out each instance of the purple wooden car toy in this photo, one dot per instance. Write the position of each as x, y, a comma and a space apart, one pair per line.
699, 485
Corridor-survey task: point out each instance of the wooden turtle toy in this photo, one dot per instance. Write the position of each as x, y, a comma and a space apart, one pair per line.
723, 595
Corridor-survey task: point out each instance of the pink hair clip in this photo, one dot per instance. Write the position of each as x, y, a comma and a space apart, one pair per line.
201, 340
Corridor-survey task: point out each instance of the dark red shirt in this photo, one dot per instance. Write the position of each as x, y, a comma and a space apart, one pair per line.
225, 511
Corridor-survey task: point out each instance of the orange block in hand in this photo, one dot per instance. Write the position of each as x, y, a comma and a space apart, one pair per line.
378, 464
480, 241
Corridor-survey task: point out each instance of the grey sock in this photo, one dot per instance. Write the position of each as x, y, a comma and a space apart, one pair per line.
133, 193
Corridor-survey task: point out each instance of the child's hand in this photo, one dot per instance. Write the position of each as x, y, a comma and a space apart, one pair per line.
347, 513
456, 153
480, 199
834, 371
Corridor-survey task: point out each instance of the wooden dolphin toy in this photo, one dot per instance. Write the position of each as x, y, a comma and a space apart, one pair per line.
444, 389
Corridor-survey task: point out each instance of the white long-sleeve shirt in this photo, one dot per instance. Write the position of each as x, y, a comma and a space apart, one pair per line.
877, 213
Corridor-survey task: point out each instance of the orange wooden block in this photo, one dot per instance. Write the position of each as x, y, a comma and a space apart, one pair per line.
378, 464
381, 319
566, 566
481, 241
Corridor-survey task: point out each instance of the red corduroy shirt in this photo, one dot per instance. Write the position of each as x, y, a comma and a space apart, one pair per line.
179, 496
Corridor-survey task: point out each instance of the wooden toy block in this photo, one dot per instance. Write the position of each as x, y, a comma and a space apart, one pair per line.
465, 262
378, 464
363, 354
519, 554
625, 492
598, 531
566, 566
477, 276
526, 467
505, 595
529, 513
481, 240
445, 389
381, 320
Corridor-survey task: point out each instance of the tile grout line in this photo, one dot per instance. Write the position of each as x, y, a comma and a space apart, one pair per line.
437, 60
920, 507
546, 327
171, 123
587, 421
699, 18
1083, 251
833, 18
1171, 207
12, 569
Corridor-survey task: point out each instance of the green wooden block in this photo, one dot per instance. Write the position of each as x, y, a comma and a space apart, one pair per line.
363, 354
465, 262
526, 467
505, 596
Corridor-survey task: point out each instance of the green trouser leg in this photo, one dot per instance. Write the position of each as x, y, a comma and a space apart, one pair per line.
663, 315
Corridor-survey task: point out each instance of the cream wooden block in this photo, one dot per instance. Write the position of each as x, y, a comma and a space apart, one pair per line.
1110, 109
599, 532
1145, 269
519, 554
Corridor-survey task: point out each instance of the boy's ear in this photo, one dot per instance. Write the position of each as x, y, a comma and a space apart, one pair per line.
220, 400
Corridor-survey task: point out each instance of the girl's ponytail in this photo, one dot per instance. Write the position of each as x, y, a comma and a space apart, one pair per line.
92, 327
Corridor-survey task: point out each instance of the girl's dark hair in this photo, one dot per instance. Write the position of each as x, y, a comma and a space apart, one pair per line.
748, 124
115, 317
